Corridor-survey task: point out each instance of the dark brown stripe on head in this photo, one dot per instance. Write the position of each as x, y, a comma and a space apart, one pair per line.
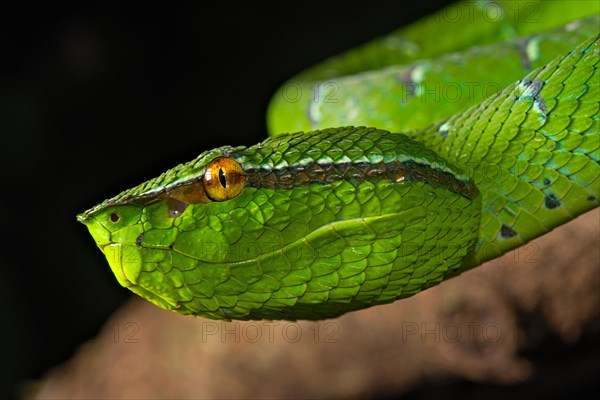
396, 171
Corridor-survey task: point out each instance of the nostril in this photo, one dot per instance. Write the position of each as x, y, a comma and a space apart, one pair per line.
114, 217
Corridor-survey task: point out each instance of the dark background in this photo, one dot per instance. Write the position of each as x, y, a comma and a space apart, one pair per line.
94, 100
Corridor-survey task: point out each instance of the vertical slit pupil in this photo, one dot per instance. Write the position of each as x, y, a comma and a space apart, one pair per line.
222, 178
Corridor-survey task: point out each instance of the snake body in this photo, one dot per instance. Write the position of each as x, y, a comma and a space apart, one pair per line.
311, 225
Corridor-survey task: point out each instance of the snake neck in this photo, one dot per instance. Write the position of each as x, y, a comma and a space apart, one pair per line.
532, 150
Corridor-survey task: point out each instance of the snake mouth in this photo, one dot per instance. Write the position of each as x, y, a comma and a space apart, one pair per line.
323, 242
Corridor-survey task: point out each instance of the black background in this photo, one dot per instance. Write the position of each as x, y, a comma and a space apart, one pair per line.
96, 99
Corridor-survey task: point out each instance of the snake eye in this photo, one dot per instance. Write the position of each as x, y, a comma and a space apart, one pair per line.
224, 179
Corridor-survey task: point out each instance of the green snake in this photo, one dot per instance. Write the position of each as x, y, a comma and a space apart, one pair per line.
498, 106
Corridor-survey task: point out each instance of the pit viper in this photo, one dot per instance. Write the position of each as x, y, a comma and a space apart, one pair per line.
412, 158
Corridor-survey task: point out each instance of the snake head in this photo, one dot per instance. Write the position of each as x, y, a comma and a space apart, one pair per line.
301, 226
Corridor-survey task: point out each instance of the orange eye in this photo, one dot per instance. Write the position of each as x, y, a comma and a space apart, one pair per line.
224, 179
